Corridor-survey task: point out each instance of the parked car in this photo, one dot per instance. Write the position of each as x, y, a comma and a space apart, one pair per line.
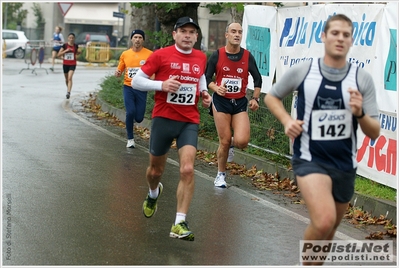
85, 37
123, 41
16, 43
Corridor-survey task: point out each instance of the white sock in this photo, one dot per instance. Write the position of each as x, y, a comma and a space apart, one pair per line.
154, 193
180, 217
221, 173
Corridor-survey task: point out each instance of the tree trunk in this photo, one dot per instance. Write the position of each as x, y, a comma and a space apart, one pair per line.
168, 19
143, 18
236, 16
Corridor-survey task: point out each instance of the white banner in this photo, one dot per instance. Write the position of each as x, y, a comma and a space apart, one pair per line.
299, 35
298, 39
259, 33
378, 159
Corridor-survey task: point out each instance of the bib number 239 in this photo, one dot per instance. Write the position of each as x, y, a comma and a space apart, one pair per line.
185, 95
233, 85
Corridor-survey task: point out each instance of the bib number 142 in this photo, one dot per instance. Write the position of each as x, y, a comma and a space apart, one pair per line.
331, 125
332, 131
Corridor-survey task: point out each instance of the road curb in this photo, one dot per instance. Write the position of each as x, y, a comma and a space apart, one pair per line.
376, 207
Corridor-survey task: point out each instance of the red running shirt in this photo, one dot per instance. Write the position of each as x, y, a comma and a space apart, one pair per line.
166, 63
70, 57
232, 73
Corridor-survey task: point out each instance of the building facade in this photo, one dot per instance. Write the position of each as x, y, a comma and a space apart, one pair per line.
99, 17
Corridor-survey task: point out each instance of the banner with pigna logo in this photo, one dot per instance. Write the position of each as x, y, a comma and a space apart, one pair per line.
298, 39
379, 159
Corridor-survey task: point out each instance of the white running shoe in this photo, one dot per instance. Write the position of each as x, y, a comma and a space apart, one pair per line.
130, 143
231, 155
220, 181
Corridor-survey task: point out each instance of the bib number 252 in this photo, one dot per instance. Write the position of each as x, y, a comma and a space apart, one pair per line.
184, 96
181, 98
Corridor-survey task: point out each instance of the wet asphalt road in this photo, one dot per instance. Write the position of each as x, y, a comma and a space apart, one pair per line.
72, 192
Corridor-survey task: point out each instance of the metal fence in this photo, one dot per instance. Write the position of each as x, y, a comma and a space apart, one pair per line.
98, 52
103, 53
267, 133
34, 53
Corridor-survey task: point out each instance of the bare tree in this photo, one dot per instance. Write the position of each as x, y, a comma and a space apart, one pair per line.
167, 15
236, 15
143, 18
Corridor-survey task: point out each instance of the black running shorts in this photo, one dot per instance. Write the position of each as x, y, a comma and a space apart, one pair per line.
68, 68
343, 182
229, 106
164, 131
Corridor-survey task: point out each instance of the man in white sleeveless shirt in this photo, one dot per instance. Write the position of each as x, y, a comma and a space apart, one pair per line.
334, 98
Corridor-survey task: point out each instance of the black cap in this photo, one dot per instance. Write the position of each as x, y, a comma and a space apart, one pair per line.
185, 20
137, 32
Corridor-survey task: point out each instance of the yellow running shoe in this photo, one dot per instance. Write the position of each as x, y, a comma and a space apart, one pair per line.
150, 204
181, 231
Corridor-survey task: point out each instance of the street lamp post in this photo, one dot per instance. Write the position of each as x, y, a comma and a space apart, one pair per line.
5, 17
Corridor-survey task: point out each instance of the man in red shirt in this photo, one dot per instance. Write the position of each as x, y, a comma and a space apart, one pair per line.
179, 82
231, 65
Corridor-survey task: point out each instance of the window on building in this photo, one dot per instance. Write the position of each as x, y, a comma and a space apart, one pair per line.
216, 38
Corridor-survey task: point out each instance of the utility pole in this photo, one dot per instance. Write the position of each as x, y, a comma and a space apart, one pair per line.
119, 29
5, 17
124, 19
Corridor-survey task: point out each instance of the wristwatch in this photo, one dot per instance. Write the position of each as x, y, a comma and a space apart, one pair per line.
257, 99
361, 116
